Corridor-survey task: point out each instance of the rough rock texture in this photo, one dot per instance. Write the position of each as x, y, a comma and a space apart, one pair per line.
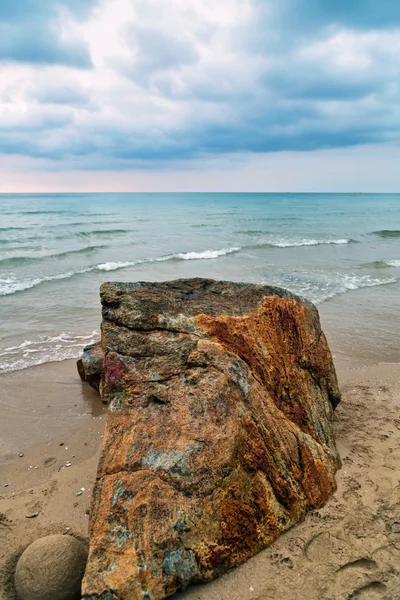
90, 366
219, 435
51, 568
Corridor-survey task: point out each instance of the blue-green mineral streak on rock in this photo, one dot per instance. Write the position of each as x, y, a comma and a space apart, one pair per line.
180, 563
174, 462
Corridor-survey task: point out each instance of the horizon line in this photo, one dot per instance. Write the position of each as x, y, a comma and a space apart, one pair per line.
70, 193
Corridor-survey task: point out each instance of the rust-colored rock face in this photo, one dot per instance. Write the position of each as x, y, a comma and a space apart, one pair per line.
219, 435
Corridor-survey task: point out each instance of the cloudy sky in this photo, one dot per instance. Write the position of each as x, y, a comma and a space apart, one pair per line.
200, 95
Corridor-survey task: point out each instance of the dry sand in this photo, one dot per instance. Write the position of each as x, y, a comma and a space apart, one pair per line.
350, 549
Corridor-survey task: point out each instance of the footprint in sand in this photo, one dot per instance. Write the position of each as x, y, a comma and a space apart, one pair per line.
34, 507
363, 563
283, 560
319, 547
352, 581
371, 591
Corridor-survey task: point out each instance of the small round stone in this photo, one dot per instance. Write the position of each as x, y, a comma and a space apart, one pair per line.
51, 568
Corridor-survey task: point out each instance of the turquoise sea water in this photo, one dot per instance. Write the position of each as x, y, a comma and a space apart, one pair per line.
340, 251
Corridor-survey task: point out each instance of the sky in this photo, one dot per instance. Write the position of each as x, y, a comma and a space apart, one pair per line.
199, 95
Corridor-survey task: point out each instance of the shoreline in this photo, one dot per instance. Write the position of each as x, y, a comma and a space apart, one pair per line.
350, 546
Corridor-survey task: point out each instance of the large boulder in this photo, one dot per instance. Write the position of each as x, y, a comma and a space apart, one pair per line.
90, 366
219, 435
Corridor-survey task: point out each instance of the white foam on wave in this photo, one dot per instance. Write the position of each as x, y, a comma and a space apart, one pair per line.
44, 349
355, 282
206, 254
11, 285
113, 266
319, 287
294, 243
393, 263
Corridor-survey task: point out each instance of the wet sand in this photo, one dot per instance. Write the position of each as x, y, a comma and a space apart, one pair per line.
42, 403
350, 549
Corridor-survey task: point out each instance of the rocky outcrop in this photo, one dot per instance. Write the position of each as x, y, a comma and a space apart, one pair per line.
90, 366
219, 435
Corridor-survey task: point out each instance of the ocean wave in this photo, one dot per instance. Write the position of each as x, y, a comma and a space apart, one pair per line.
207, 254
13, 228
44, 349
27, 259
14, 246
252, 232
19, 243
64, 211
295, 243
17, 260
387, 233
273, 221
320, 287
11, 285
204, 255
99, 232
258, 219
355, 282
381, 264
114, 266
87, 224
203, 225
85, 250
37, 212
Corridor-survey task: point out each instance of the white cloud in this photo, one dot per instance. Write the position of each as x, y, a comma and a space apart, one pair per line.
351, 52
172, 81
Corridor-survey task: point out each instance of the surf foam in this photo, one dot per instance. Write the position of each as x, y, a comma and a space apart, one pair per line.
44, 349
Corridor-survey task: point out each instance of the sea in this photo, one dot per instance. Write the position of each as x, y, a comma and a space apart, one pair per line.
341, 251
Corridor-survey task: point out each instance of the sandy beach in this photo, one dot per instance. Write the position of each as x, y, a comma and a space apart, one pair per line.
211, 190
348, 549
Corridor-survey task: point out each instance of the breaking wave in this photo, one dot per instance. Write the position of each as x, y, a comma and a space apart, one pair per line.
11, 285
295, 243
204, 255
319, 287
381, 264
207, 254
44, 349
